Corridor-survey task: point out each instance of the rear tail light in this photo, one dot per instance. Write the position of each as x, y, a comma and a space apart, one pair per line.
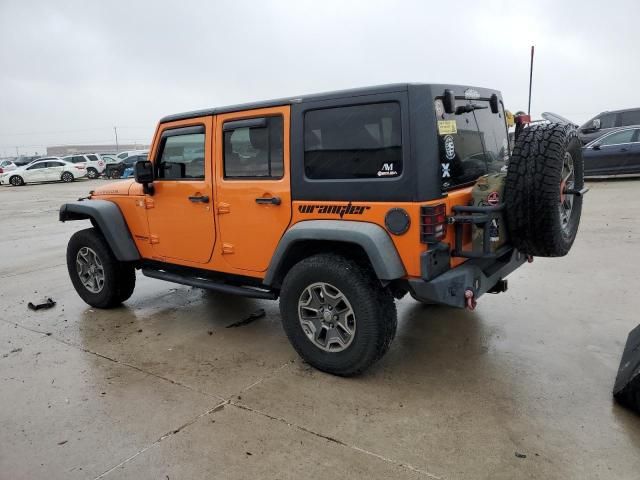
433, 223
1, 170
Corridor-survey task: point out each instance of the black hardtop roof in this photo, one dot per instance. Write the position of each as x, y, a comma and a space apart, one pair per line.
622, 110
314, 97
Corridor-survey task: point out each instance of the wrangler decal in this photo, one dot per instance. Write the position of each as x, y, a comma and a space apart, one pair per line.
340, 210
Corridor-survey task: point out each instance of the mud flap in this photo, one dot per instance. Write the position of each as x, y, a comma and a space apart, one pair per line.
627, 387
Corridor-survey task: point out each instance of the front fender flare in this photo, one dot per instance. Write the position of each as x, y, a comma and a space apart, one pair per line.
373, 239
108, 217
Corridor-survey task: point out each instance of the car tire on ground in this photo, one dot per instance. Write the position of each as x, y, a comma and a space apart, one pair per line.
92, 173
99, 278
336, 314
67, 177
542, 220
16, 180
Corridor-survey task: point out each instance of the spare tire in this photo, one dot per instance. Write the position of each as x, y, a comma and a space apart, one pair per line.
542, 219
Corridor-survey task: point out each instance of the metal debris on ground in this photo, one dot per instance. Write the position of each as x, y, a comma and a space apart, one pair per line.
44, 303
252, 317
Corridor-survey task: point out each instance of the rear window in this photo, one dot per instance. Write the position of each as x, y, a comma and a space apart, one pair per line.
360, 141
92, 158
478, 144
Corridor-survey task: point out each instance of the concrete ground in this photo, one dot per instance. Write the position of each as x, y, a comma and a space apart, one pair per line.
161, 389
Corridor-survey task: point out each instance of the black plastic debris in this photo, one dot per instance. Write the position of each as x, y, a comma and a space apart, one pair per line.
627, 387
44, 303
251, 318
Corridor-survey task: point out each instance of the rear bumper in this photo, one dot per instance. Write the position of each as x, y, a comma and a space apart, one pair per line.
478, 275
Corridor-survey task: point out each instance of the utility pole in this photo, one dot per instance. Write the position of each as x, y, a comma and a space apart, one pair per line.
115, 130
530, 80
17, 153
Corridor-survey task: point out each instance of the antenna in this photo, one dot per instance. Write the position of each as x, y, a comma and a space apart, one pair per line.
530, 80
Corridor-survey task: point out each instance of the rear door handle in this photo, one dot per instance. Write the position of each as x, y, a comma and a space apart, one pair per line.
200, 199
268, 200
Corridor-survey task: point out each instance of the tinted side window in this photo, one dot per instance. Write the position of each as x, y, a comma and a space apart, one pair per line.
608, 120
361, 141
37, 165
618, 137
78, 159
254, 151
182, 157
55, 164
92, 158
630, 118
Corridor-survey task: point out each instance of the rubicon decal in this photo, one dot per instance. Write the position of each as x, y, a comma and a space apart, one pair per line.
340, 210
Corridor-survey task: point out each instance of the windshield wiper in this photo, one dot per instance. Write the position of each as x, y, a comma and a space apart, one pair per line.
469, 108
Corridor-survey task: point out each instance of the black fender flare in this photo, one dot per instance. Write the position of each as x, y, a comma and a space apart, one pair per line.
108, 217
373, 239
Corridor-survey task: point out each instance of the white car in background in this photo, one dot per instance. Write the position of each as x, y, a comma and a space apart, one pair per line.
7, 166
44, 171
93, 163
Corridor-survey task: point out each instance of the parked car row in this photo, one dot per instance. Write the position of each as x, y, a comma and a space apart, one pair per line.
611, 142
70, 167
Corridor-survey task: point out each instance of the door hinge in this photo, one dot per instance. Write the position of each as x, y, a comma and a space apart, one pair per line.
148, 203
153, 239
227, 248
224, 207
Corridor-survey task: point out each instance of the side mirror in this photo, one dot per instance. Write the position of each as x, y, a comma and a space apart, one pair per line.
449, 101
595, 147
143, 173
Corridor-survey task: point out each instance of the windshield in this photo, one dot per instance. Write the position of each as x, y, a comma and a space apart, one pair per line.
477, 145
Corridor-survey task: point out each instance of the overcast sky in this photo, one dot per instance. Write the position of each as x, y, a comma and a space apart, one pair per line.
71, 70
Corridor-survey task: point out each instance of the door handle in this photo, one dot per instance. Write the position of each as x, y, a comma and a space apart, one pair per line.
268, 200
199, 199
624, 149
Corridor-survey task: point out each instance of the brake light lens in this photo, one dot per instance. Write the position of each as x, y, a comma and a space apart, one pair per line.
1, 170
433, 223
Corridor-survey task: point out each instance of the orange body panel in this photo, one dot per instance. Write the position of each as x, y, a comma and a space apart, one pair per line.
178, 228
408, 244
250, 232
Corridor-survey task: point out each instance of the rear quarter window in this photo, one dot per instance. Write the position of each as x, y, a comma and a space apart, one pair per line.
359, 141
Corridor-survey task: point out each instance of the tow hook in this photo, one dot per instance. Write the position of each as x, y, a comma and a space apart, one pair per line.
470, 299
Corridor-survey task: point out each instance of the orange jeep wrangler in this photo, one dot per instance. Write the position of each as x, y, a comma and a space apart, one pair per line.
336, 203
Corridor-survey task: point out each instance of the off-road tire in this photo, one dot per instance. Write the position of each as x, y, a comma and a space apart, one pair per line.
16, 180
533, 186
92, 173
67, 177
374, 309
119, 277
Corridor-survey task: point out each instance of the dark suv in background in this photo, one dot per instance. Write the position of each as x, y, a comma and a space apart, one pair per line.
608, 121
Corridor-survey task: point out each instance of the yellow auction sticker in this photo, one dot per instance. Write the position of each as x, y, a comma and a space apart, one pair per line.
447, 127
